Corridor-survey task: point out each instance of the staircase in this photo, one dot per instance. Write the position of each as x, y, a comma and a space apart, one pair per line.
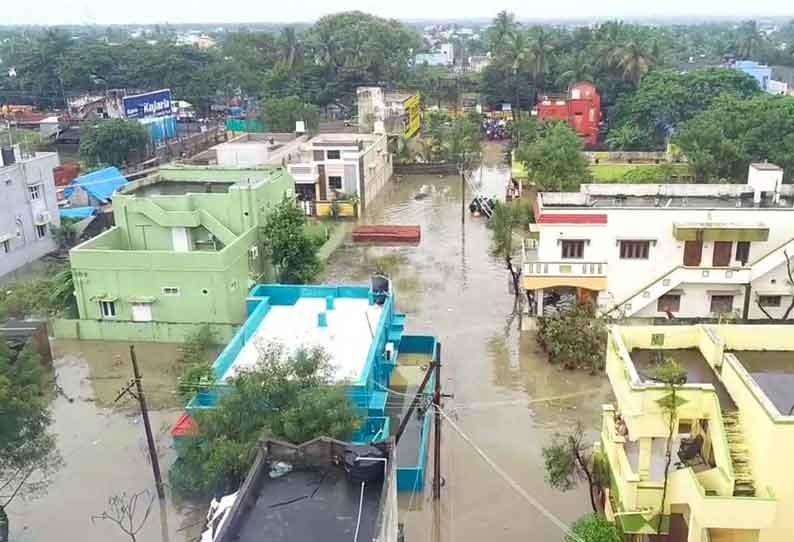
712, 275
744, 485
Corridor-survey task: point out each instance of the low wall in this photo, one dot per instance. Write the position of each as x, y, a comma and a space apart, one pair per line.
425, 169
155, 332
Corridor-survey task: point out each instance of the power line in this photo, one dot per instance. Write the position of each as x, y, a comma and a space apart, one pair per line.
510, 481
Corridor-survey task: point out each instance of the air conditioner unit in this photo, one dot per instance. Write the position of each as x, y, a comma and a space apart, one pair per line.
44, 217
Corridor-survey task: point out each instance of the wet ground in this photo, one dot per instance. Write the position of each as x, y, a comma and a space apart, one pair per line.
451, 287
104, 448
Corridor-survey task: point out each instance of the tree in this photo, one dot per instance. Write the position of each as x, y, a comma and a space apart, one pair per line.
114, 142
579, 67
749, 39
627, 137
281, 114
575, 337
555, 160
635, 62
65, 234
292, 251
501, 30
505, 220
594, 528
462, 143
289, 397
569, 460
28, 455
122, 510
672, 375
790, 284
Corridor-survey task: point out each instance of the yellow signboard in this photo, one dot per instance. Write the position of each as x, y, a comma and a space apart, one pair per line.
413, 110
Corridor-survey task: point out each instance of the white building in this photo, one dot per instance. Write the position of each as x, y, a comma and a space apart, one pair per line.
337, 166
656, 250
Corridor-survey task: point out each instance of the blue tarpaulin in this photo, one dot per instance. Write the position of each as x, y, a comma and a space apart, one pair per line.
99, 184
78, 212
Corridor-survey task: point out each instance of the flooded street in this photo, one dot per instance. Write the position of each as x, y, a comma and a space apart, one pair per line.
104, 447
450, 286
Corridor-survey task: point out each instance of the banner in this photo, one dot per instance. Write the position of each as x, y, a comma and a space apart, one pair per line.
150, 105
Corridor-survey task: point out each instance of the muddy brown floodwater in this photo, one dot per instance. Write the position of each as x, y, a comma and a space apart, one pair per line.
451, 287
104, 448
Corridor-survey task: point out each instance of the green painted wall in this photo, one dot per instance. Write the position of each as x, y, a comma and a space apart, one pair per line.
135, 260
159, 332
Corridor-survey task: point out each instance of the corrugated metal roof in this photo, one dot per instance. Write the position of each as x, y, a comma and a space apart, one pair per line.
100, 184
77, 212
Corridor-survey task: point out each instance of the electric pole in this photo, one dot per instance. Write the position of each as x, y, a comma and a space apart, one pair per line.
139, 396
437, 427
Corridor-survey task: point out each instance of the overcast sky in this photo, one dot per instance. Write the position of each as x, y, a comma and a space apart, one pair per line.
188, 11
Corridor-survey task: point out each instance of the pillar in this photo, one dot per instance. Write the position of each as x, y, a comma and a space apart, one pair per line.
644, 463
539, 302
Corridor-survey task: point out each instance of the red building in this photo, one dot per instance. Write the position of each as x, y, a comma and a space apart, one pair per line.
580, 108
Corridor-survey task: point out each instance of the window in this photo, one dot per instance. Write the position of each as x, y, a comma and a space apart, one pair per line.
170, 290
335, 182
334, 155
769, 300
6, 246
634, 250
721, 304
34, 192
41, 231
669, 303
141, 312
743, 252
573, 250
108, 309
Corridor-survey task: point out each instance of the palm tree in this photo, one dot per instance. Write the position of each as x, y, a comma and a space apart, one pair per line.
289, 45
541, 55
503, 27
580, 68
749, 39
634, 61
517, 54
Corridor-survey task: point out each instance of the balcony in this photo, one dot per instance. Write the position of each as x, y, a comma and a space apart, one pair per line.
539, 273
304, 173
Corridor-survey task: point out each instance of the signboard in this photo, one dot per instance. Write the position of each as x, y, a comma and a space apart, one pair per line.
150, 105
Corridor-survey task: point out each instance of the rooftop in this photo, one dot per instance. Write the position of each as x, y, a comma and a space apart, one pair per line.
765, 166
773, 371
293, 321
664, 196
181, 179
315, 500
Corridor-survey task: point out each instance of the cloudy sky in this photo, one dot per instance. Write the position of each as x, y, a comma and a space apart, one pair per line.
187, 11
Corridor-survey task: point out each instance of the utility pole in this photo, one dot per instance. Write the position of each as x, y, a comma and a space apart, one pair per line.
139, 396
437, 427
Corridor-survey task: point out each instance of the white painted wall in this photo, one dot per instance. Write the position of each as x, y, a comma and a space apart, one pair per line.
244, 154
626, 277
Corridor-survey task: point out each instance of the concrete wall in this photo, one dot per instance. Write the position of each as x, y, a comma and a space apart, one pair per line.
19, 215
627, 277
157, 332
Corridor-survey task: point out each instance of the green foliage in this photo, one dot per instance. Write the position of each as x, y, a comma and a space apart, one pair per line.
555, 160
666, 99
65, 234
560, 463
456, 141
281, 114
293, 252
508, 220
594, 528
722, 141
39, 297
291, 398
194, 363
574, 337
28, 455
113, 142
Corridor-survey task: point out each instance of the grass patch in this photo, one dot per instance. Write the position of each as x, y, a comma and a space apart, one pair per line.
638, 173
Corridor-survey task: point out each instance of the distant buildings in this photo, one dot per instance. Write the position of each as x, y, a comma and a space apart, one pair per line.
762, 74
443, 55
729, 476
393, 113
28, 207
667, 250
185, 250
580, 108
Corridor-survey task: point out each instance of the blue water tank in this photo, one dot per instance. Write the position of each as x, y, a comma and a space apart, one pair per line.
322, 319
329, 303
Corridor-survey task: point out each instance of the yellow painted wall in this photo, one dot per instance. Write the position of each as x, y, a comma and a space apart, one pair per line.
346, 210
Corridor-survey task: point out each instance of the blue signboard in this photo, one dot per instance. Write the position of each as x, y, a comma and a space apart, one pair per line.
150, 105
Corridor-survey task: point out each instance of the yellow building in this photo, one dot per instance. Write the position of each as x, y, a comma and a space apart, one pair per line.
731, 478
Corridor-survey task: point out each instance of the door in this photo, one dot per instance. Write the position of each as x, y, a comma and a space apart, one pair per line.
141, 312
693, 251
181, 239
722, 253
323, 187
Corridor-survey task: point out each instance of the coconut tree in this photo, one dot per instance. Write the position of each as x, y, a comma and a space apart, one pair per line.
541, 56
749, 39
503, 28
634, 61
579, 68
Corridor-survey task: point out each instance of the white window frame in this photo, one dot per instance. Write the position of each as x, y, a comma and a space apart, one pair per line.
108, 309
328, 157
41, 231
6, 246
171, 291
136, 312
35, 191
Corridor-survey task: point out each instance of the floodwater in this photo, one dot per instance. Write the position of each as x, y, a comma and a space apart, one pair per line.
450, 286
104, 447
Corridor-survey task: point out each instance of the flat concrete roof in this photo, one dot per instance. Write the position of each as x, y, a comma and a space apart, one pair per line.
347, 337
765, 166
773, 371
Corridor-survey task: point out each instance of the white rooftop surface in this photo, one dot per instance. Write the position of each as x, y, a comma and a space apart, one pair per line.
346, 339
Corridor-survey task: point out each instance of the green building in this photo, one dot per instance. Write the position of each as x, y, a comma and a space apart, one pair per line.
186, 248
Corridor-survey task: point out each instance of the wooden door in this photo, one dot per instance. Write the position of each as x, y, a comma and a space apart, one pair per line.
322, 181
693, 252
722, 253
